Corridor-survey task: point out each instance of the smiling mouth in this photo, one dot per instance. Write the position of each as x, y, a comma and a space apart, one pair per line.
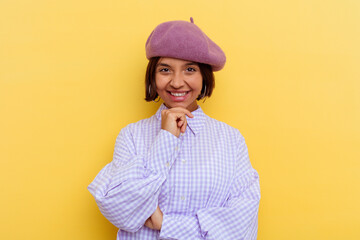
178, 94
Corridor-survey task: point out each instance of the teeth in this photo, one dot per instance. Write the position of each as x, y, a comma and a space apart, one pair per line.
178, 94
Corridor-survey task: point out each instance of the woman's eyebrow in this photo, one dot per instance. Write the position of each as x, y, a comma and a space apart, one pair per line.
186, 64
163, 64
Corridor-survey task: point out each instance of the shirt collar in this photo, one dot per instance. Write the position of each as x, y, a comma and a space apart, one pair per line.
195, 124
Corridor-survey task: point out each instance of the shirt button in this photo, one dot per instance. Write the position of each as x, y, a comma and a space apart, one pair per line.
183, 161
167, 164
181, 134
176, 148
182, 198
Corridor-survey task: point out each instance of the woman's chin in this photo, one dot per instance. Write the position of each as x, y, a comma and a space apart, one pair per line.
189, 106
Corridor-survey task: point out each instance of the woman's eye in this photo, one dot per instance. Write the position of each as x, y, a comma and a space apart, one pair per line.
164, 70
190, 69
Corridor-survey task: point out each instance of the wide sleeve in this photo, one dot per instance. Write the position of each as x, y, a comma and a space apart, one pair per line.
127, 189
237, 219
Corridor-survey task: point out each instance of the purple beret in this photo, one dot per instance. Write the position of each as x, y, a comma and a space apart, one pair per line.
184, 40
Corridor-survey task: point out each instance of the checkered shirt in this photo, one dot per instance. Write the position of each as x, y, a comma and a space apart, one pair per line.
202, 181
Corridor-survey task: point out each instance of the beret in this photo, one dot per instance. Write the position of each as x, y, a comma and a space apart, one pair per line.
184, 40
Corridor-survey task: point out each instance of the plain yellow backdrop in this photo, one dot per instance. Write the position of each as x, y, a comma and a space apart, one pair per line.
72, 73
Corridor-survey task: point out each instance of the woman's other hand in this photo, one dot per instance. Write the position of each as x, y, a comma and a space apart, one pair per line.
174, 121
155, 220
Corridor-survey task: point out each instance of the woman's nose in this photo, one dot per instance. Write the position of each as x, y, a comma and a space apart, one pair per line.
177, 80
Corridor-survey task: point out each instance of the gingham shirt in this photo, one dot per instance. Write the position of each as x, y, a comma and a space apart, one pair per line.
202, 181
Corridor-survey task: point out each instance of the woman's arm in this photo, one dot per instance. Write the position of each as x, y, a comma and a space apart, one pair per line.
127, 189
237, 219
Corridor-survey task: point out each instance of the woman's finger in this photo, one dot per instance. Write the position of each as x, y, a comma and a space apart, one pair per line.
174, 120
182, 110
180, 123
184, 125
156, 219
181, 118
148, 223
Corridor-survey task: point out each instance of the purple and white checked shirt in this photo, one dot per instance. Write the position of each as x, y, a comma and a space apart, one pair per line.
202, 181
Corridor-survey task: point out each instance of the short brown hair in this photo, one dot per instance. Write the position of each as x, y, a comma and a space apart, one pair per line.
150, 85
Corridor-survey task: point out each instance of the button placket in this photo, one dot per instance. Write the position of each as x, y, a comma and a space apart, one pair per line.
182, 160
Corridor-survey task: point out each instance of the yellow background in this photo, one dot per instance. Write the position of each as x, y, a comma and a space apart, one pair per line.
71, 76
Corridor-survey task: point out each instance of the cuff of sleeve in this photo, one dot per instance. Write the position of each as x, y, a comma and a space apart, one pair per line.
206, 222
179, 227
163, 152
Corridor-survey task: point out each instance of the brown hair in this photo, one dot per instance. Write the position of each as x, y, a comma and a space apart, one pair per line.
150, 85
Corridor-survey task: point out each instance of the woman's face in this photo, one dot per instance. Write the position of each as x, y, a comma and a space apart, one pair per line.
178, 82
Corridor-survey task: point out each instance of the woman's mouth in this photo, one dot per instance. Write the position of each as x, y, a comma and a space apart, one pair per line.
178, 94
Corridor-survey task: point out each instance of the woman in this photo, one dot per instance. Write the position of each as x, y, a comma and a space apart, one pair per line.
180, 174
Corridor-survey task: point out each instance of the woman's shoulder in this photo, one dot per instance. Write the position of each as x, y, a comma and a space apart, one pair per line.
223, 128
139, 125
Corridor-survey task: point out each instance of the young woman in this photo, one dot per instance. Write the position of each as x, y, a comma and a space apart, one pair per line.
180, 174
